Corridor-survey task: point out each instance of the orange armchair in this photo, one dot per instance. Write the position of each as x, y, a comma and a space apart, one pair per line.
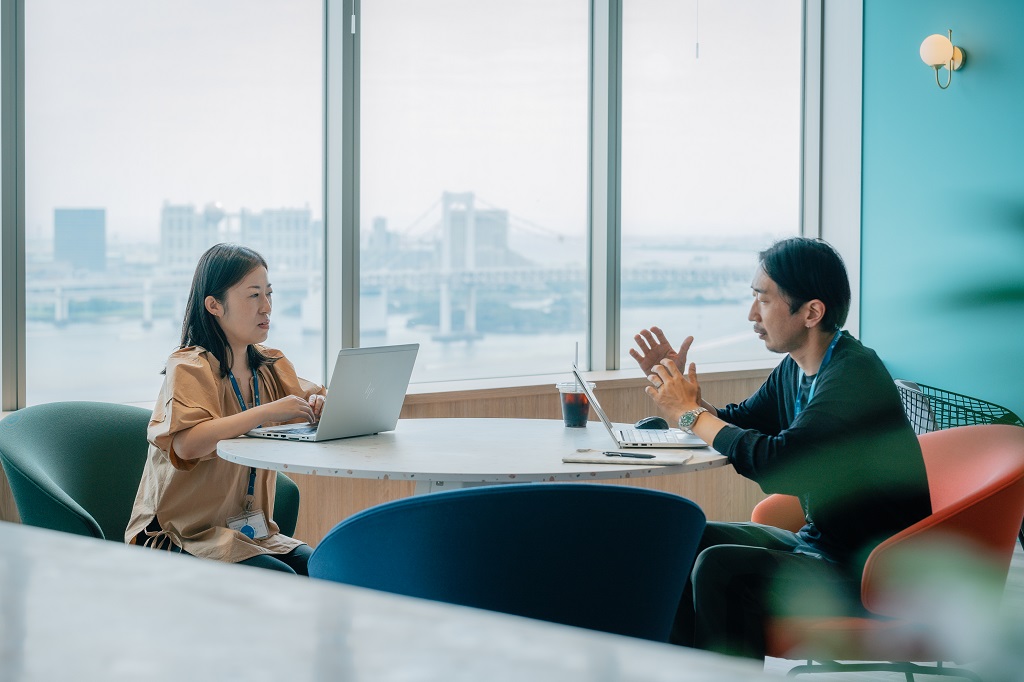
781, 511
949, 568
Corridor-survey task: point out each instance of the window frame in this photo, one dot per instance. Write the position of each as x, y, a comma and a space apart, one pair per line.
12, 204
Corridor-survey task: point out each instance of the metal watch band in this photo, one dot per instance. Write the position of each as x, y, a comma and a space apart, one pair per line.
688, 419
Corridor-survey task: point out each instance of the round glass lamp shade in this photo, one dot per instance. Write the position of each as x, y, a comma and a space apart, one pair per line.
936, 50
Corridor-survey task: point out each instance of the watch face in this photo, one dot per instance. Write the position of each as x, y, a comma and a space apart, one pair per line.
690, 418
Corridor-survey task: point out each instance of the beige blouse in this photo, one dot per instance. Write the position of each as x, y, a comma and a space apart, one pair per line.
192, 500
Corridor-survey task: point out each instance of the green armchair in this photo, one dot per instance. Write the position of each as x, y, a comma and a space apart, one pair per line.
76, 466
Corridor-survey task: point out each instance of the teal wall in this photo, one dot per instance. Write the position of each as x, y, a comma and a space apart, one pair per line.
943, 197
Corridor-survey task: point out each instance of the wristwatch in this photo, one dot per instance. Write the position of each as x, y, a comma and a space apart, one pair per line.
688, 419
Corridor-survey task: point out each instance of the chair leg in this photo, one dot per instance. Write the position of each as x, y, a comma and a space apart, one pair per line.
1020, 536
908, 669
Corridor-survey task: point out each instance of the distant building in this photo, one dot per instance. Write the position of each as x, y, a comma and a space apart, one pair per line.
186, 233
80, 238
380, 240
286, 237
385, 250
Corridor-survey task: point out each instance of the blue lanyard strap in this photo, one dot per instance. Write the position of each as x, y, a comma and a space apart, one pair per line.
251, 490
801, 401
238, 391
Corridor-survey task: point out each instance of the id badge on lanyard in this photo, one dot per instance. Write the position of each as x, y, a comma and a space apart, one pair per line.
251, 523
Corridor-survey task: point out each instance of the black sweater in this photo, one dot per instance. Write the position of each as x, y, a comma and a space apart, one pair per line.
851, 456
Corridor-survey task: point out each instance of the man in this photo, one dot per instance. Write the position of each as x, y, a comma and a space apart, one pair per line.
827, 426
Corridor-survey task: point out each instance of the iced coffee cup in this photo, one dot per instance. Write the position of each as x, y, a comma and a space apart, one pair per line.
575, 406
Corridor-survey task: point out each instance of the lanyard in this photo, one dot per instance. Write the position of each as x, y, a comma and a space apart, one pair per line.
238, 392
801, 401
251, 490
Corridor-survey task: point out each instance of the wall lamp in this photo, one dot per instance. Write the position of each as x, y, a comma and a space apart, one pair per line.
939, 52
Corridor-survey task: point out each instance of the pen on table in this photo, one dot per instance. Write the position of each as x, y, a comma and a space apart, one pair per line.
638, 455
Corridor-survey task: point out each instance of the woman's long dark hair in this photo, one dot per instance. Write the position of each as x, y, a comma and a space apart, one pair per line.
220, 268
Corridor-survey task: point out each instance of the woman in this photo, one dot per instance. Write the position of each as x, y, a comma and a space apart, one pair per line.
219, 384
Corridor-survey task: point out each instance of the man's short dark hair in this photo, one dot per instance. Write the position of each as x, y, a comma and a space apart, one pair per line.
806, 269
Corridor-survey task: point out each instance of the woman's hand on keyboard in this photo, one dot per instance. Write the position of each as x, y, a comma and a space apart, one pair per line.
287, 409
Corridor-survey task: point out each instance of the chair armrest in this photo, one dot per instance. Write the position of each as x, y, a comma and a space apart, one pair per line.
973, 539
780, 511
42, 503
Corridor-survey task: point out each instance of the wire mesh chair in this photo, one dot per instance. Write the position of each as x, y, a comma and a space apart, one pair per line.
933, 409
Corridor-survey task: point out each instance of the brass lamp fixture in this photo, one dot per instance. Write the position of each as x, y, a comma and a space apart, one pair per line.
939, 52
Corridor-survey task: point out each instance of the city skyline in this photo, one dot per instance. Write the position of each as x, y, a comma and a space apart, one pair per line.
516, 314
47, 234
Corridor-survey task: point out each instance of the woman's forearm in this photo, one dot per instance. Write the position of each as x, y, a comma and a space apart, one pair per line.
201, 440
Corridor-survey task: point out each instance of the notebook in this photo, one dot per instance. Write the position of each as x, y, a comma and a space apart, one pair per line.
628, 437
365, 396
661, 459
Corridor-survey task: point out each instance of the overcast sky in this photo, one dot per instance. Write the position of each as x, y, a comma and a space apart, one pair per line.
130, 104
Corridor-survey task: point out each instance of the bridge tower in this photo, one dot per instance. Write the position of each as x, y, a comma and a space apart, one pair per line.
458, 255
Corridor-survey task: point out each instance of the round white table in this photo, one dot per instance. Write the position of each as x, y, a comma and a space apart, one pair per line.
441, 454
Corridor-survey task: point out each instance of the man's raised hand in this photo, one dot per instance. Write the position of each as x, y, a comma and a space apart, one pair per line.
653, 347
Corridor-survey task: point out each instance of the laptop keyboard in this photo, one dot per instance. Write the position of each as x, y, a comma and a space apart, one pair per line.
649, 436
302, 428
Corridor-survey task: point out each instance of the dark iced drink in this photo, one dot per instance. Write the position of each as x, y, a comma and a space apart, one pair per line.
575, 406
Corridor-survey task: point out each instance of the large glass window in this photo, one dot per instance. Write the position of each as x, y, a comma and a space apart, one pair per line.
711, 144
154, 130
473, 198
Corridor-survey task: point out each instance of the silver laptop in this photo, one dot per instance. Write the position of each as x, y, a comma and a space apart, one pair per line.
365, 396
629, 437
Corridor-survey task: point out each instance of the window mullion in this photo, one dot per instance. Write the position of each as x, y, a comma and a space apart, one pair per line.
604, 183
341, 178
810, 207
12, 235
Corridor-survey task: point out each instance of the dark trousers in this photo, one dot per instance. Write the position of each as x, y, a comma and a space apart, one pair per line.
746, 573
293, 562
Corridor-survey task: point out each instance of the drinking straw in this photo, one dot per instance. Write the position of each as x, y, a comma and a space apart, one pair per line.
576, 365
